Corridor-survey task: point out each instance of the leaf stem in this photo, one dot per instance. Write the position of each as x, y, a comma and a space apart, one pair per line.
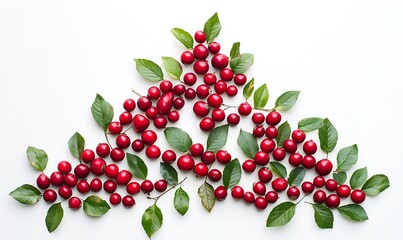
260, 109
301, 199
169, 189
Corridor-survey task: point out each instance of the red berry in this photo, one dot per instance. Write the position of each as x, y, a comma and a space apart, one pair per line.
208, 157
128, 201
271, 196
173, 116
210, 79
323, 167
343, 191
123, 177
123, 141
206, 124
233, 119
220, 87
258, 118
249, 197
200, 169
331, 185
290, 146
221, 193
49, 195
332, 201
214, 47
168, 156
129, 105
319, 181
279, 154
295, 159
200, 52
279, 184
319, 196
218, 115
189, 78
298, 136
200, 37
259, 188
271, 132
152, 113
237, 192
64, 167
267, 145
115, 127
240, 79
153, 152
357, 196
273, 118
232, 90
201, 67
293, 193
185, 163
249, 166
310, 147
133, 188
110, 186
103, 150
74, 203
190, 93
125, 118
265, 175
96, 185
308, 162
70, 180
307, 187
83, 186
226, 74
43, 181
179, 89
160, 122
260, 203
97, 166
219, 61
137, 145
187, 57
214, 100
202, 91
244, 109
166, 85
65, 192
144, 103
56, 178
258, 131
201, 108
149, 137
115, 199
161, 185
261, 158
87, 155
147, 186
165, 102
196, 150
223, 157
214, 175
153, 92
117, 154
140, 123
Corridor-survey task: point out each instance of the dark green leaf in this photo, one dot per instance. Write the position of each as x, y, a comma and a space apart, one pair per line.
232, 173
152, 220
353, 212
281, 214
178, 139
358, 178
181, 201
54, 217
235, 50
241, 63
323, 216
26, 194
310, 124
169, 173
173, 67
37, 158
278, 169
76, 145
212, 28
260, 97
296, 176
94, 206
286, 100
137, 166
217, 138
102, 112
340, 177
248, 143
375, 185
347, 157
327, 136
149, 70
248, 89
184, 37
206, 194
284, 133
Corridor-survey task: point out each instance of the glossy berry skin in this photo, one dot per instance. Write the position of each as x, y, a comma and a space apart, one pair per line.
202, 91
128, 201
298, 136
271, 196
117, 154
332, 201
168, 156
81, 170
161, 185
160, 122
279, 184
237, 192
233, 119
226, 74
273, 118
152, 112
249, 197
97, 166
343, 191
196, 150
49, 195
70, 180
319, 181
265, 175
293, 193
179, 89
147, 186
260, 203
201, 108
271, 132
244, 109
110, 186
324, 167
83, 186
295, 159
249, 166
56, 178
123, 177
87, 155
200, 36
308, 162
220, 193
219, 61
307, 187
166, 85
173, 116
189, 78
206, 124
103, 150
187, 57
149, 137
232, 90
210, 79
153, 92
223, 157
214, 100
137, 145
214, 175
200, 169
310, 147
279, 154
214, 47
290, 146
64, 167
140, 123
259, 188
319, 196
257, 118
65, 192
261, 158
144, 103
208, 157
96, 185
185, 163
129, 105
153, 152
200, 52
123, 141
240, 79
115, 127
43, 181
115, 198
75, 203
331, 185
165, 102
220, 87
218, 115
357, 196
267, 145
125, 118
133, 188
201, 67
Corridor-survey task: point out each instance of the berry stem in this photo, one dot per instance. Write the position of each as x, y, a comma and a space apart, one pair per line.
107, 139
136, 92
260, 109
127, 129
301, 199
169, 189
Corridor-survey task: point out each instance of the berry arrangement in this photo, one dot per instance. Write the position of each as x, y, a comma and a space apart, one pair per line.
278, 156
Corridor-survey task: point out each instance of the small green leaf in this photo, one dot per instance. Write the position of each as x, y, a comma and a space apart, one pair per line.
173, 67
37, 158
248, 143
181, 201
248, 88
327, 136
94, 206
310, 124
54, 217
169, 173
178, 139
296, 176
286, 100
284, 133
347, 157
137, 166
323, 216
184, 37
241, 63
234, 53
232, 174
26, 194
281, 214
206, 194
278, 169
217, 138
212, 28
152, 220
102, 112
353, 212
340, 177
358, 178
76, 145
260, 97
149, 70
375, 185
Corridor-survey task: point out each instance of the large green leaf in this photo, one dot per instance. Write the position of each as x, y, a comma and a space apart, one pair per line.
26, 194
346, 158
241, 63
94, 206
323, 216
152, 220
284, 133
173, 67
37, 158
281, 214
353, 212
232, 173
137, 166
328, 136
310, 124
212, 28
181, 201
184, 37
206, 194
169, 173
358, 178
278, 169
178, 139
149, 70
217, 138
76, 145
375, 185
248, 88
54, 217
296, 176
260, 97
234, 53
286, 100
248, 143
102, 112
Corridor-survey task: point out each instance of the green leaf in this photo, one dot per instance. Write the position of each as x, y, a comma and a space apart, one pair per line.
232, 173
76, 145
358, 178
248, 143
149, 70
340, 177
284, 133
260, 97
248, 88
169, 173
94, 206
353, 212
217, 138
137, 166
178, 139
26, 194
327, 136
234, 53
286, 100
281, 214
206, 194
54, 217
152, 220
296, 176
346, 158
37, 158
181, 201
323, 216
278, 169
212, 28
184, 37
375, 185
173, 67
241, 63
102, 112
310, 124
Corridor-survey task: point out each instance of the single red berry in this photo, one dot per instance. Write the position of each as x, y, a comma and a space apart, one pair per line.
271, 132
260, 203
147, 186
200, 37
210, 79
117, 154
125, 118
149, 137
152, 112
220, 87
259, 188
279, 184
123, 141
258, 118
223, 157
196, 150
309, 147
49, 195
153, 152
226, 74
265, 175
249, 166
323, 167
110, 186
128, 201
166, 85
201, 108
144, 103
319, 196
123, 177
87, 155
96, 185
218, 115
164, 103
70, 180
271, 196
129, 105
343, 191
261, 158
307, 187
214, 175
179, 103
133, 188
290, 146
173, 116
240, 79
267, 145
115, 198
208, 157
179, 89
65, 192
214, 100
75, 203
319, 181
244, 109
190, 93
232, 90
237, 192
168, 156
233, 119
83, 186
331, 185
185, 163
219, 61
97, 166
200, 169
293, 193
308, 161
160, 122
357, 196
332, 201
202, 91
279, 154
200, 52
137, 145
161, 185
189, 78
298, 136
273, 118
187, 57
201, 67
258, 131
43, 181
249, 197
153, 92
103, 150
64, 167
220, 193
295, 159
56, 178
214, 47
140, 123
206, 124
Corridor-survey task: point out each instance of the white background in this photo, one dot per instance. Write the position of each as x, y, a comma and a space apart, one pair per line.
344, 56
